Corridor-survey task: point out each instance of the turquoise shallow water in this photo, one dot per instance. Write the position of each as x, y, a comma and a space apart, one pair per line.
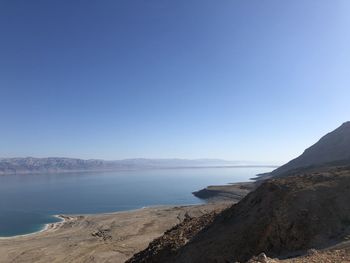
28, 202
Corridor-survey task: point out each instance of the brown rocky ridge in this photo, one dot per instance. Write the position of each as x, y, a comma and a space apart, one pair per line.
283, 218
332, 149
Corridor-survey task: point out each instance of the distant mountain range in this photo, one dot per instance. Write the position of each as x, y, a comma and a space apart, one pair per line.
31, 165
332, 149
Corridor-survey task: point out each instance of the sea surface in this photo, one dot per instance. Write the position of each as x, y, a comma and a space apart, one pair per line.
28, 202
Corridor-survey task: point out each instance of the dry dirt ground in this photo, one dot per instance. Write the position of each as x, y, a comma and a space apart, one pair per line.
334, 256
327, 256
100, 238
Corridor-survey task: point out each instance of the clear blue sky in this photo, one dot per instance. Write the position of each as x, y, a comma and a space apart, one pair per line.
235, 79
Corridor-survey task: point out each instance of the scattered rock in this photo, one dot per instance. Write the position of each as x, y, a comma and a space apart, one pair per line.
311, 252
263, 258
173, 239
103, 234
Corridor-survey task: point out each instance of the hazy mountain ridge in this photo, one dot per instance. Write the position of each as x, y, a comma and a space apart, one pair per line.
57, 164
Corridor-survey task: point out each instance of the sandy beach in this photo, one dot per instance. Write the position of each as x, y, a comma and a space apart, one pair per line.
113, 237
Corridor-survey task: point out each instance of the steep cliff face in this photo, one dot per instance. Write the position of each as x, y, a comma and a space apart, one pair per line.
332, 148
283, 216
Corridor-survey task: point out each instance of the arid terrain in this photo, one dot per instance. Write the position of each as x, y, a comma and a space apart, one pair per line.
231, 192
300, 215
284, 218
111, 237
312, 256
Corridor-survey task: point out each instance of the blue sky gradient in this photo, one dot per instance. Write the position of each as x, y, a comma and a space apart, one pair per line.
233, 79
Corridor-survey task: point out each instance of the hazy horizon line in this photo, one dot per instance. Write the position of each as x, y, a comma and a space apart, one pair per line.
139, 158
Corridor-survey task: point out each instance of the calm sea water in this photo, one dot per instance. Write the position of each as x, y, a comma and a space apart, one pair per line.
28, 202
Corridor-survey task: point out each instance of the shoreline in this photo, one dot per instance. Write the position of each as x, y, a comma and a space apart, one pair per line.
112, 237
65, 218
229, 192
216, 196
44, 229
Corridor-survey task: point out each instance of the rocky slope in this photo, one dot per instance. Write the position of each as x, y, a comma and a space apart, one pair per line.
173, 239
312, 256
333, 148
282, 217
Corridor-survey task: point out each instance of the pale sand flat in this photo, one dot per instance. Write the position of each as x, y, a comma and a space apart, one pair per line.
111, 237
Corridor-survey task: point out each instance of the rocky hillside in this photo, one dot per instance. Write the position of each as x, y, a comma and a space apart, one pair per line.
282, 217
173, 239
333, 148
